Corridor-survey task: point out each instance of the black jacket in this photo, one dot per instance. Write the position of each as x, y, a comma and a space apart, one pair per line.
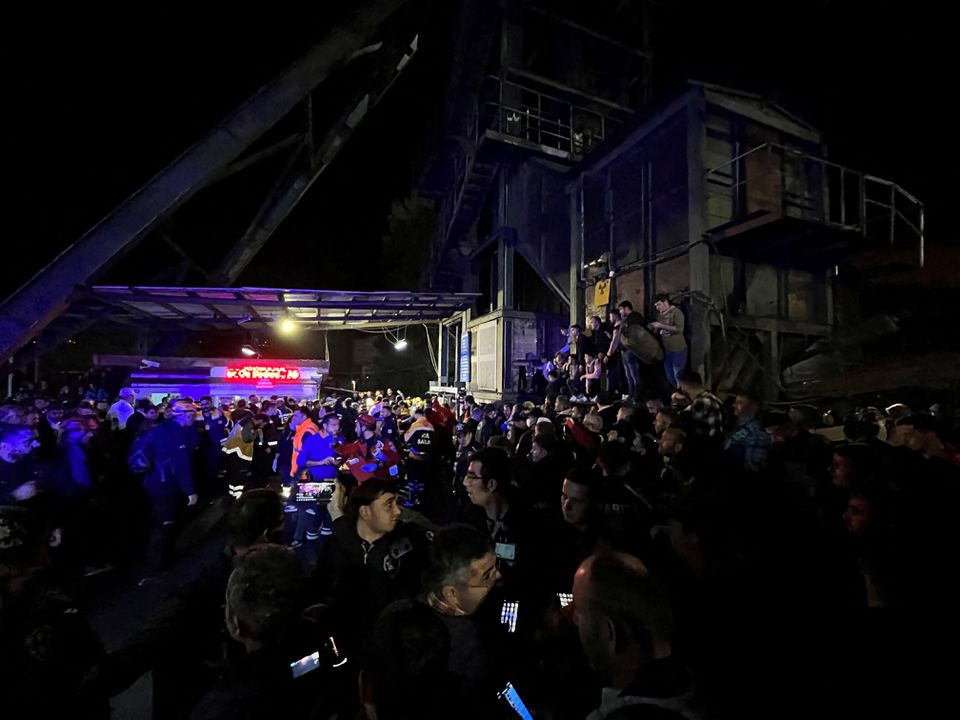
261, 684
358, 580
47, 650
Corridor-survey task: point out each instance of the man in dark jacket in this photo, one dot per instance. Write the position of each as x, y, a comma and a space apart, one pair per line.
625, 622
168, 483
370, 560
212, 427
47, 648
284, 672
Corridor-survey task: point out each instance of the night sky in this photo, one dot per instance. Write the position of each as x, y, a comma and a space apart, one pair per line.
98, 101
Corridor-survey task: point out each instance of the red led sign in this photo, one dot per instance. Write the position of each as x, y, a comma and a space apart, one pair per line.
258, 373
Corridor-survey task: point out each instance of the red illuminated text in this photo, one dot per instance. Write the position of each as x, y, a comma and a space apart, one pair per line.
253, 373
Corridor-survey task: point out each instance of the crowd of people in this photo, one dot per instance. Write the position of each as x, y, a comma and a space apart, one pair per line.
593, 551
595, 356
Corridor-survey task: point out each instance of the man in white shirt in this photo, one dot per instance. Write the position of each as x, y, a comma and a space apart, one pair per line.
122, 409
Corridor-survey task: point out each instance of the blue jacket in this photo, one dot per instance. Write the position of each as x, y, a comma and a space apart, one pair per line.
170, 449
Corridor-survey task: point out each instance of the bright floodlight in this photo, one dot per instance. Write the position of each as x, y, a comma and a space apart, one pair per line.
400, 345
248, 351
287, 326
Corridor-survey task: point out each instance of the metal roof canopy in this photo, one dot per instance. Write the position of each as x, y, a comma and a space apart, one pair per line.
200, 309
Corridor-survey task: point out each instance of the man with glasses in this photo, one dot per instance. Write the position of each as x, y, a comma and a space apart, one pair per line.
461, 572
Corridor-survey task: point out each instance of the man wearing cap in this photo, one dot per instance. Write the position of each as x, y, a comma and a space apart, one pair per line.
467, 445
168, 482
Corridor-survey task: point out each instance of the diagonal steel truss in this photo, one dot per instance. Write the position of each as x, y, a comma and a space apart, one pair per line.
48, 294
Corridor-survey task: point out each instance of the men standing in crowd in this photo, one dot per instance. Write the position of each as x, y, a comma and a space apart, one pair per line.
371, 560
625, 621
630, 362
122, 409
321, 461
212, 425
748, 443
670, 326
238, 448
462, 571
705, 410
16, 444
168, 451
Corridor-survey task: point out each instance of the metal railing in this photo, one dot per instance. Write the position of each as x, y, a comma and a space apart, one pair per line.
522, 112
790, 183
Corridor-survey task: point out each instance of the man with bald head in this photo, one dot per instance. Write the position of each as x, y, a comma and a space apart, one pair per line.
624, 621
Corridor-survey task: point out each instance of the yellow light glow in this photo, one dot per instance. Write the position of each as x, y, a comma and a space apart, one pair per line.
287, 326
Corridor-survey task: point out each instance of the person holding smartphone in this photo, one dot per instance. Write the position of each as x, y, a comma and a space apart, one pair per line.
321, 461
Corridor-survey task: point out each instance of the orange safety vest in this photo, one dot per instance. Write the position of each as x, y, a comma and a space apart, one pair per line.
307, 427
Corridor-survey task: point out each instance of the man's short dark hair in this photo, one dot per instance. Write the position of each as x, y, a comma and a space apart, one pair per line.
576, 326
453, 549
660, 297
626, 304
625, 431
328, 417
494, 465
255, 512
265, 591
631, 600
605, 397
584, 477
690, 377
614, 455
407, 663
369, 492
207, 398
547, 440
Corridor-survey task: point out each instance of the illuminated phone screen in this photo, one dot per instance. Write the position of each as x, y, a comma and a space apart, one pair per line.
508, 614
510, 694
305, 664
319, 491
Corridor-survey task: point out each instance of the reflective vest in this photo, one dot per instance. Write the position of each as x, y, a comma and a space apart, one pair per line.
307, 427
234, 442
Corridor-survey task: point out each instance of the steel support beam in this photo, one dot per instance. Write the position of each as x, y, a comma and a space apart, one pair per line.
46, 294
307, 167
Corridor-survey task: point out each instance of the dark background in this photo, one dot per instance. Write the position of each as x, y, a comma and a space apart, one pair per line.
98, 100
